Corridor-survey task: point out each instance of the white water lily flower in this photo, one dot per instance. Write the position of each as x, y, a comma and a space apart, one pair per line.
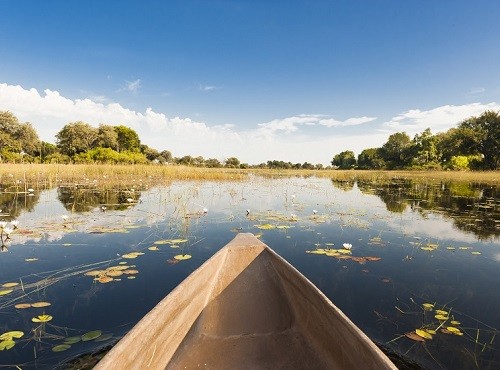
64, 217
3, 224
14, 224
8, 231
314, 211
347, 246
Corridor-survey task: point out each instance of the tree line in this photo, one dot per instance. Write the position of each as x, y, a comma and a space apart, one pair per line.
474, 144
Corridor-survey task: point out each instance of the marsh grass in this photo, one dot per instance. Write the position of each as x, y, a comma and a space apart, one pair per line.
20, 177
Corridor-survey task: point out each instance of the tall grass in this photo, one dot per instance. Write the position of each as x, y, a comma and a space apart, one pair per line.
50, 175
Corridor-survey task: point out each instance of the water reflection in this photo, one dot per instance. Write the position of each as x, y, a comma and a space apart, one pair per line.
394, 223
473, 207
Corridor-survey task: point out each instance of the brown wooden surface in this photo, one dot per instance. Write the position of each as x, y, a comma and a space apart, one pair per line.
245, 308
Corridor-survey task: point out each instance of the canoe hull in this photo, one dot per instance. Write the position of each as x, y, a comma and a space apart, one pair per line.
246, 307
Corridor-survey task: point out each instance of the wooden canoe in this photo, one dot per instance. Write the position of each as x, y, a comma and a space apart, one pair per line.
245, 308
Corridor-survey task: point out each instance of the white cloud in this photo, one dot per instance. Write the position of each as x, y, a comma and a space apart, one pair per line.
331, 122
300, 138
438, 119
477, 90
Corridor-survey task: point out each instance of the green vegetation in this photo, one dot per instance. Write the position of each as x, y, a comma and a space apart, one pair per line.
473, 145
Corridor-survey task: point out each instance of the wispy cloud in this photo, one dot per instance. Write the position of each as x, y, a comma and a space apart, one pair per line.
477, 90
132, 86
332, 122
207, 87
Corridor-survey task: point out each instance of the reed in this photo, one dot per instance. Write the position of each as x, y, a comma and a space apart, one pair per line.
24, 176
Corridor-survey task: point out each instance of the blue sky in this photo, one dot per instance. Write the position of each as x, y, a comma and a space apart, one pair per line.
289, 80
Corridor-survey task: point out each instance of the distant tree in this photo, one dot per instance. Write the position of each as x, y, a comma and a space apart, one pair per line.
396, 151
232, 162
187, 160
150, 153
107, 137
45, 149
344, 160
370, 159
76, 137
481, 135
167, 155
127, 139
307, 166
17, 137
212, 163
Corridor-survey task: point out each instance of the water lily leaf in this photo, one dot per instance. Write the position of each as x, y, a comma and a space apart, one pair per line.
174, 246
130, 277
373, 258
9, 285
11, 335
317, 251
130, 255
117, 268
475, 253
94, 273
181, 257
61, 347
131, 272
104, 337
454, 322
122, 263
415, 337
265, 226
441, 312
4, 292
451, 248
72, 340
91, 335
40, 304
114, 273
441, 317
7, 344
428, 306
22, 305
105, 279
430, 331
31, 259
154, 248
423, 334
42, 318
427, 248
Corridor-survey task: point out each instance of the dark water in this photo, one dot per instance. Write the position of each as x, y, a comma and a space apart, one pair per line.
392, 221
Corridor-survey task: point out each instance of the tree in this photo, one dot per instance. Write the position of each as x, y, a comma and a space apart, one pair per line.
166, 155
345, 160
27, 138
395, 151
107, 137
232, 162
127, 139
150, 153
370, 159
76, 137
481, 135
212, 163
424, 150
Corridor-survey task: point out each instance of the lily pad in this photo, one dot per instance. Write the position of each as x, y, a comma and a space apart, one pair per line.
428, 306
441, 317
91, 335
182, 257
22, 305
61, 347
40, 304
72, 340
42, 318
154, 248
9, 285
7, 344
415, 337
11, 335
423, 334
104, 337
6, 291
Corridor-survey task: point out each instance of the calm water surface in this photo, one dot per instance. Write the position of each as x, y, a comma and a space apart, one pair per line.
457, 271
